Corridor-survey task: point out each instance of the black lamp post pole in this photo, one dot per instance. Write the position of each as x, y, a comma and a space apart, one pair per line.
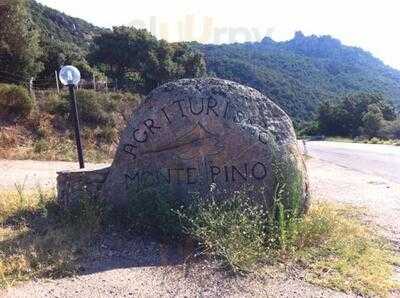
74, 112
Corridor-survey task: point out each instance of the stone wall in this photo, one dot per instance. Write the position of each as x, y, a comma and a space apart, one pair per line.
73, 185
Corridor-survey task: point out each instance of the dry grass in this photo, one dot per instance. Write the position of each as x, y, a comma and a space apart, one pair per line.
37, 240
17, 142
339, 251
46, 133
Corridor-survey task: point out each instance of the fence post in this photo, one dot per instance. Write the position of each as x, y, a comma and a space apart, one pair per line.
58, 86
94, 82
305, 152
31, 91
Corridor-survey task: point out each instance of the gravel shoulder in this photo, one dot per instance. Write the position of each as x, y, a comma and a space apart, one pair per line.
380, 197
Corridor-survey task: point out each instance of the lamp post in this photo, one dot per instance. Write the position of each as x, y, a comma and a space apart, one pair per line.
70, 76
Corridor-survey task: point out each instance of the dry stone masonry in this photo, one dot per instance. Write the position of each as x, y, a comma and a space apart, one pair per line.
73, 185
193, 133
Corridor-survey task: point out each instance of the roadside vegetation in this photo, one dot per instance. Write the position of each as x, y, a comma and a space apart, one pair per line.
361, 117
330, 244
41, 127
373, 140
38, 240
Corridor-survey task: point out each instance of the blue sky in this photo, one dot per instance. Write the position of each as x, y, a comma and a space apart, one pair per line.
370, 24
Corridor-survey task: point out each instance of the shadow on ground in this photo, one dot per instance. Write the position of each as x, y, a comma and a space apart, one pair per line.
122, 250
56, 246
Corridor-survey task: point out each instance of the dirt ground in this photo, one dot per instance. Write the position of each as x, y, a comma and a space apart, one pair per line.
33, 173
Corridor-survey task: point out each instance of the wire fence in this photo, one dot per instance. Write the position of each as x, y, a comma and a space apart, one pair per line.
38, 84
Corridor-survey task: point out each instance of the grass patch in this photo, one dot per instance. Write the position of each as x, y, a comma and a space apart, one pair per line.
374, 140
339, 251
38, 240
340, 139
331, 244
57, 148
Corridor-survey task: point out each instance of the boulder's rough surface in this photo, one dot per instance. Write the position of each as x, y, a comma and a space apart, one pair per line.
193, 133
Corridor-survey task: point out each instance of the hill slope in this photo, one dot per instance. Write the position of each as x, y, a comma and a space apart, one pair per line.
297, 74
300, 73
55, 25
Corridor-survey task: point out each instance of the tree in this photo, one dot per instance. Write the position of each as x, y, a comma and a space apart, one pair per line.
19, 43
390, 129
330, 119
141, 62
56, 54
355, 113
372, 121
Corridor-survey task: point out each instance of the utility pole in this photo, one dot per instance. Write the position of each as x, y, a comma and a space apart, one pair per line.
106, 85
58, 86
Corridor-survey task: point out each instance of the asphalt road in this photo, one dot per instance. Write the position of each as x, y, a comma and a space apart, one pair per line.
378, 160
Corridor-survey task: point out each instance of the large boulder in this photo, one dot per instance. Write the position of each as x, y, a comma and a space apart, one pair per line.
195, 133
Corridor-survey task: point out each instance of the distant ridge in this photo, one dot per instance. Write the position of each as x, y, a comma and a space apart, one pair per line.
300, 73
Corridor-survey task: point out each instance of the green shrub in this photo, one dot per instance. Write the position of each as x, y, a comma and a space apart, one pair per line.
107, 134
374, 141
48, 100
390, 129
124, 96
40, 146
95, 108
233, 231
152, 210
87, 214
240, 231
15, 100
310, 128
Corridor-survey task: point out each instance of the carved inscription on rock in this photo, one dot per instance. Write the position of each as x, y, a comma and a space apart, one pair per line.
192, 133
